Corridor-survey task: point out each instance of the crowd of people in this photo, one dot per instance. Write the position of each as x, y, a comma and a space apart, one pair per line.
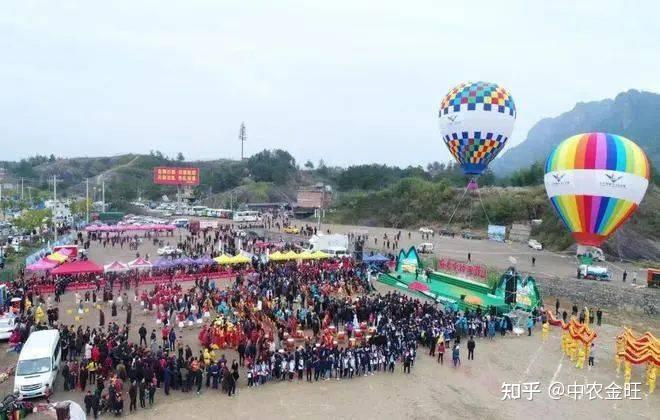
348, 330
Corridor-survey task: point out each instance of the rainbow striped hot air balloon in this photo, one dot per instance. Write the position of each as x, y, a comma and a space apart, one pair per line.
595, 181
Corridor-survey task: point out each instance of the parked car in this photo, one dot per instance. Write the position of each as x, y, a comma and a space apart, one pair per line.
425, 248
168, 250
470, 235
7, 326
534, 244
291, 229
180, 223
426, 230
38, 364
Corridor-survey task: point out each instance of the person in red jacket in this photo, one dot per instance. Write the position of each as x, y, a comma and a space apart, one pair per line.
165, 333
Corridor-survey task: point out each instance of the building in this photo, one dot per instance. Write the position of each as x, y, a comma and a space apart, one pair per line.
61, 211
310, 199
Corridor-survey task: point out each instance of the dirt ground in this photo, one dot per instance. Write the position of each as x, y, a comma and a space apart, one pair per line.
473, 390
490, 253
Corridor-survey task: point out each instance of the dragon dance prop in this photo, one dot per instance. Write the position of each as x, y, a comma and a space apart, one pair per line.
637, 350
220, 334
576, 339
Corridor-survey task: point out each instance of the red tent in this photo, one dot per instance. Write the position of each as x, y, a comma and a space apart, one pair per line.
77, 267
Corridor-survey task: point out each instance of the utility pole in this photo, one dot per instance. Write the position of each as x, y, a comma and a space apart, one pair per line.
242, 136
87, 200
21, 189
55, 208
103, 195
321, 210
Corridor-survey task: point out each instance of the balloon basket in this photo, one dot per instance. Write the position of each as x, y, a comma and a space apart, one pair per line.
472, 185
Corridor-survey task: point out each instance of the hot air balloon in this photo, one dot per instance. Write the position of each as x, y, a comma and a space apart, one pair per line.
595, 182
476, 120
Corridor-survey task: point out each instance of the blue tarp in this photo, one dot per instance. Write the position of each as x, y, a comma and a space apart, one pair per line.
378, 258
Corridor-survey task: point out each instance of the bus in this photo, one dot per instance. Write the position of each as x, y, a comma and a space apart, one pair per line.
224, 213
246, 216
210, 213
199, 210
218, 213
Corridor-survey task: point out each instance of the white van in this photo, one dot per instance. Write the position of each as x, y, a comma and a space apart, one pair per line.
180, 223
38, 364
7, 326
336, 252
425, 248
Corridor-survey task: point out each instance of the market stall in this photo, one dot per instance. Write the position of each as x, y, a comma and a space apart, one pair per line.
77, 267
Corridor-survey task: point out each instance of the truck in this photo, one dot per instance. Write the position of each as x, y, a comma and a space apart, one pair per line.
588, 254
197, 225
109, 216
335, 244
593, 272
653, 277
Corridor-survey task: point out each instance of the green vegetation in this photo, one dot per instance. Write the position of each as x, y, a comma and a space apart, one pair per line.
415, 201
33, 219
407, 202
527, 176
272, 166
371, 194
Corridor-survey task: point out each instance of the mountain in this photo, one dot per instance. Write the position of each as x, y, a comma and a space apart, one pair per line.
632, 114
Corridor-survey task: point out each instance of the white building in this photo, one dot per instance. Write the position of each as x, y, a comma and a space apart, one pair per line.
61, 211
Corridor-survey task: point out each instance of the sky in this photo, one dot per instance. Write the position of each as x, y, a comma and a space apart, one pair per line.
348, 82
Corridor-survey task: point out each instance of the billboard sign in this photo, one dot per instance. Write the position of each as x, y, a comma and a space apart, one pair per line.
496, 233
166, 175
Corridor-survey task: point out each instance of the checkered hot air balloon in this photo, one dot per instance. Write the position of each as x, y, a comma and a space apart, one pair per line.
476, 120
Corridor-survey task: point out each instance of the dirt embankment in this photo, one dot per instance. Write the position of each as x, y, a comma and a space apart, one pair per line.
621, 305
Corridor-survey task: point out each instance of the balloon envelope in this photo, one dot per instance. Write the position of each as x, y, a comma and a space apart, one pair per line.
476, 120
595, 182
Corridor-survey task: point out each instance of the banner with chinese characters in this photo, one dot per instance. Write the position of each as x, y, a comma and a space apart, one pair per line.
452, 266
164, 175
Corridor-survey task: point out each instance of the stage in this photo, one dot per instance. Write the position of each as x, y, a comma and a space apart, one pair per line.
446, 289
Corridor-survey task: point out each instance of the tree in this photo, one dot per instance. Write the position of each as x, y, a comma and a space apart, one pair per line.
33, 219
321, 168
435, 168
528, 176
79, 207
309, 165
375, 177
179, 157
272, 166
